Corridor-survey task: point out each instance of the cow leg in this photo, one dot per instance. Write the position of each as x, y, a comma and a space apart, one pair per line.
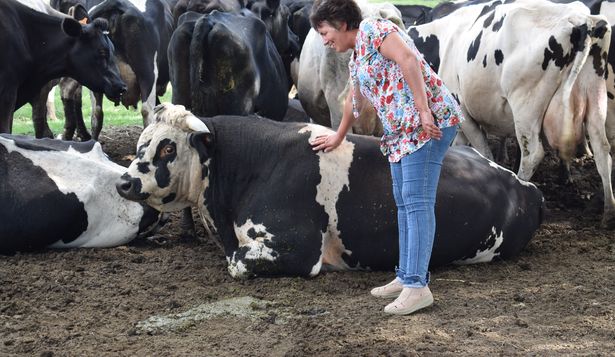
601, 149
476, 136
147, 86
264, 250
532, 152
97, 114
51, 104
39, 112
188, 230
71, 92
7, 107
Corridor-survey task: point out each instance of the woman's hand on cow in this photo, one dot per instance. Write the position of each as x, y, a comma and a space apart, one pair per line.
326, 142
427, 122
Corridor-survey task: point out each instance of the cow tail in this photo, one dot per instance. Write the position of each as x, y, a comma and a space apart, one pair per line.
567, 149
198, 52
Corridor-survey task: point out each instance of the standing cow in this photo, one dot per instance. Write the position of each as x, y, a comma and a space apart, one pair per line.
37, 47
226, 63
61, 194
140, 31
281, 208
548, 85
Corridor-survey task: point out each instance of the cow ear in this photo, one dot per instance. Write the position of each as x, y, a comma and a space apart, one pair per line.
79, 13
203, 142
71, 27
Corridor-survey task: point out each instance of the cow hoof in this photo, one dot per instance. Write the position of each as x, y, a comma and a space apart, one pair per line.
608, 222
188, 235
158, 239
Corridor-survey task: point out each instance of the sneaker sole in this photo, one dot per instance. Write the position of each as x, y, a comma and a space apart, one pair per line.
421, 305
386, 296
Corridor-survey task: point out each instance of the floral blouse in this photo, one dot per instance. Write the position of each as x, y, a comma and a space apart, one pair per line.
381, 82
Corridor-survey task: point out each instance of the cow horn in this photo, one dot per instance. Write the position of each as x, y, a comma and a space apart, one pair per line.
196, 124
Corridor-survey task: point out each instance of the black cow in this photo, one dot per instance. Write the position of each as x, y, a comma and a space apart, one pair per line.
225, 63
38, 47
299, 19
281, 208
140, 33
271, 12
206, 6
61, 194
276, 16
414, 14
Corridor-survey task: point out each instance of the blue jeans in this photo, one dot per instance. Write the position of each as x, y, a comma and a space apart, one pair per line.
415, 182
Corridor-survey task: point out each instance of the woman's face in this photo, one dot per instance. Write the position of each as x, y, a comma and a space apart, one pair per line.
334, 38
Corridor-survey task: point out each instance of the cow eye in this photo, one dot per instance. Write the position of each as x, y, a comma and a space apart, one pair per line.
167, 150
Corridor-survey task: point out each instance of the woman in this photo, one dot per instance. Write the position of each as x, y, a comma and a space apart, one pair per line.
420, 119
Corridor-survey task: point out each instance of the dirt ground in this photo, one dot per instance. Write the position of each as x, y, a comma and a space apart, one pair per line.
557, 297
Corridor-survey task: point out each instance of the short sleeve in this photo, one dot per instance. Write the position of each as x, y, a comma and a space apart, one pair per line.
375, 32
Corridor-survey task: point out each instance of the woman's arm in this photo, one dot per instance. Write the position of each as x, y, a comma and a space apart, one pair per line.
395, 48
330, 142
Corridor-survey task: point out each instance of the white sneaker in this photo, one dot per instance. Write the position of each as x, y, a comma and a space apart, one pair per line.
389, 290
409, 301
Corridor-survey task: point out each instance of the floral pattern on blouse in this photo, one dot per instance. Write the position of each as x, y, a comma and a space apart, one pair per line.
381, 82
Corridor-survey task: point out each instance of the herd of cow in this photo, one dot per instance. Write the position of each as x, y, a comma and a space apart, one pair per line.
230, 146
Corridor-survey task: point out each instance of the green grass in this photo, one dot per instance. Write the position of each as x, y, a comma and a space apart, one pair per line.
114, 116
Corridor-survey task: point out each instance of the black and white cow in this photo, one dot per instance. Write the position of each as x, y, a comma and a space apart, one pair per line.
281, 208
548, 85
226, 63
62, 194
38, 47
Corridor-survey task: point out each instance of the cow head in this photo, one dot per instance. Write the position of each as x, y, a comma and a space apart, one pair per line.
276, 16
170, 171
91, 57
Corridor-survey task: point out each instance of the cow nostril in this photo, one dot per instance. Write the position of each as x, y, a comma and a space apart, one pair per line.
124, 187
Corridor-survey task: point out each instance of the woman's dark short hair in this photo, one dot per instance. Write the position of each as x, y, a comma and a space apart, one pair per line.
335, 12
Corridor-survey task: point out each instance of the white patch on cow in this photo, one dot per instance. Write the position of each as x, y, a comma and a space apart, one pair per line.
334, 169
257, 250
91, 176
147, 107
496, 166
236, 268
208, 221
42, 6
139, 4
485, 256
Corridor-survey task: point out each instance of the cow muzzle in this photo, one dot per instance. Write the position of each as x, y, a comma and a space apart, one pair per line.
130, 188
114, 91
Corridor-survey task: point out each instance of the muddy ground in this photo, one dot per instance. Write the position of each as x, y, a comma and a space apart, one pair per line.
557, 297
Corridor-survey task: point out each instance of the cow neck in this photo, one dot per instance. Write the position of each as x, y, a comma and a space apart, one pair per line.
49, 48
235, 168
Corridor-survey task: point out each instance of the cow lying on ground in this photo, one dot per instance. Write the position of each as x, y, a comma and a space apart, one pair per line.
281, 208
548, 86
61, 194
